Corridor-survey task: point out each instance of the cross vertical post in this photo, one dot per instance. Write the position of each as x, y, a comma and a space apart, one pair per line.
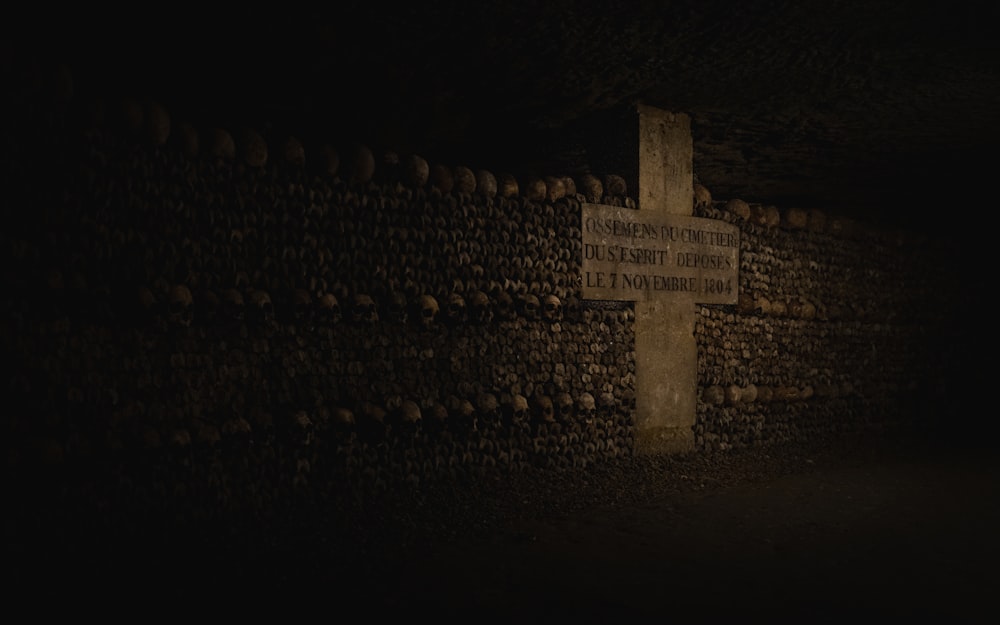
667, 261
666, 354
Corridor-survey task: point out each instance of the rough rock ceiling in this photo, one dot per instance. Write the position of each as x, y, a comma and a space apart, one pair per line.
877, 109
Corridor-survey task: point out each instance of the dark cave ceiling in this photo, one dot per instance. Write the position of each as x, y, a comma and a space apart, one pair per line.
877, 109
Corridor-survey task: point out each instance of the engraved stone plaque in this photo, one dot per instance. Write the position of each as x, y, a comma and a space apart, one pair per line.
631, 255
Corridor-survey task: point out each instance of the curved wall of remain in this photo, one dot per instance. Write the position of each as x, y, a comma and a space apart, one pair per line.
235, 309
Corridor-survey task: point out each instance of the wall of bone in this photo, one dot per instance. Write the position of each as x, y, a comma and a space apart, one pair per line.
247, 312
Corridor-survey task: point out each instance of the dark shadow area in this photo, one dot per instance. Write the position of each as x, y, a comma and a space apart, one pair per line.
899, 529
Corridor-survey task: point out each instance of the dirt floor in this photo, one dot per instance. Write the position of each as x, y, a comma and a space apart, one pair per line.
888, 538
891, 536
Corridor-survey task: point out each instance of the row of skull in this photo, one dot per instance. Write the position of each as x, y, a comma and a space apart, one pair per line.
460, 414
425, 310
151, 122
512, 409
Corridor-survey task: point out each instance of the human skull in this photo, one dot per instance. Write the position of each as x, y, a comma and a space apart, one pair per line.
505, 306
738, 207
188, 138
363, 309
564, 408
437, 418
329, 308
714, 395
407, 413
180, 306
301, 306
488, 410
507, 186
591, 187
551, 307
529, 306
416, 171
535, 189
237, 430
429, 309
146, 300
303, 428
342, 419
442, 178
479, 307
702, 197
607, 404
221, 146
329, 159
293, 152
456, 308
543, 409
180, 439
486, 183
555, 188
233, 304
461, 414
261, 305
396, 307
372, 422
808, 310
251, 147
465, 179
817, 220
772, 216
572, 308
515, 409
586, 407
762, 305
615, 186
360, 164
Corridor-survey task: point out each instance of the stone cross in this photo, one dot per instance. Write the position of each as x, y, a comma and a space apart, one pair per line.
666, 261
